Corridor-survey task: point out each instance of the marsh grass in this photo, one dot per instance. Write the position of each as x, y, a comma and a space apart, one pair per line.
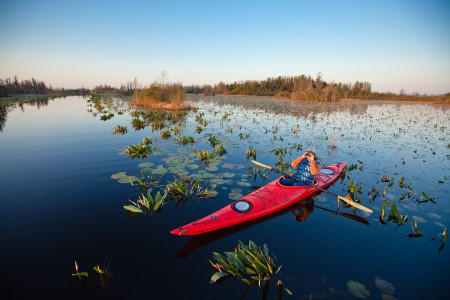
162, 96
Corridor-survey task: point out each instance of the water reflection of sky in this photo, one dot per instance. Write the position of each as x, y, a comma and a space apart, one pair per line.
55, 189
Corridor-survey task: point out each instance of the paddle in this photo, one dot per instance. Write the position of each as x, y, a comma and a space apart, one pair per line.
350, 202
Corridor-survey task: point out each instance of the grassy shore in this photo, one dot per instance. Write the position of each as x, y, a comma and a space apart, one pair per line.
158, 96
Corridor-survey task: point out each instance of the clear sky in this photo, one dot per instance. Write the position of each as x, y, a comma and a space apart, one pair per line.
392, 44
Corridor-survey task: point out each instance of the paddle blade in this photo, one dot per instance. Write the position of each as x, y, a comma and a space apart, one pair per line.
262, 165
354, 204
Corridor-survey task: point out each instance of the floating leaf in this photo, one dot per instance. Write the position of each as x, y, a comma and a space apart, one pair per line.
133, 208
216, 276
146, 165
357, 289
81, 274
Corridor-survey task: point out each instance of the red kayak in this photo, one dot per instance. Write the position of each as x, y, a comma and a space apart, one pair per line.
266, 200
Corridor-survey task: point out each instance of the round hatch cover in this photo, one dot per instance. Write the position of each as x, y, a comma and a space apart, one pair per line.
326, 171
242, 206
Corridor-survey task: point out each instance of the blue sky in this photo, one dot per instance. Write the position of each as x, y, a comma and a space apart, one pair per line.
392, 44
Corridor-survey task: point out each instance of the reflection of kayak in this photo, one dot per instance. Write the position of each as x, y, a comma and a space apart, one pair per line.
266, 200
201, 240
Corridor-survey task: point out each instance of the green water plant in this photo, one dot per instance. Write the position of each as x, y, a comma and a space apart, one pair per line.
249, 263
106, 117
186, 188
165, 134
138, 124
185, 140
147, 204
213, 141
250, 152
394, 216
205, 155
78, 273
198, 129
138, 150
220, 150
120, 129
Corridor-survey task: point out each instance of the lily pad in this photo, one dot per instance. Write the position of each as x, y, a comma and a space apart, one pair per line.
439, 224
146, 165
212, 167
243, 183
384, 285
218, 181
434, 216
419, 219
357, 289
235, 196
228, 174
233, 166
159, 171
127, 179
192, 166
118, 175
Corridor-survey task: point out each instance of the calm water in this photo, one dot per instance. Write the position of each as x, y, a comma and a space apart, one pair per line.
60, 204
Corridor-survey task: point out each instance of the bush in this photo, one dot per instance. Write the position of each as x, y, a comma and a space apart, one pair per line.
158, 96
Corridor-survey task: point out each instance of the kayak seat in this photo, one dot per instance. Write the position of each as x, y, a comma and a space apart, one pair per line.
291, 182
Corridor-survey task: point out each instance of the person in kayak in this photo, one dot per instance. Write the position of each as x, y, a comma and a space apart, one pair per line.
307, 166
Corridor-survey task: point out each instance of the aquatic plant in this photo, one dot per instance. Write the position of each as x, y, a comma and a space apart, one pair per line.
395, 215
147, 204
158, 124
176, 130
244, 136
185, 140
146, 181
120, 129
205, 155
107, 117
138, 124
220, 150
427, 198
357, 289
138, 150
388, 179
187, 188
249, 263
213, 141
146, 140
165, 134
250, 152
78, 273
255, 170
281, 151
282, 165
198, 129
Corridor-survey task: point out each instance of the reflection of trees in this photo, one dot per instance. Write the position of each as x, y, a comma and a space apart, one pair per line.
7, 106
3, 115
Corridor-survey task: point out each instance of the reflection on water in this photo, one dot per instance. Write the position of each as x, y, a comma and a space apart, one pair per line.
63, 187
9, 105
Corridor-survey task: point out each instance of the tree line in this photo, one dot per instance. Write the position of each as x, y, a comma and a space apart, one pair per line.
29, 86
307, 88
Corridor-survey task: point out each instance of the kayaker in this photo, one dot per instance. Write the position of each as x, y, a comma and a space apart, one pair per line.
306, 167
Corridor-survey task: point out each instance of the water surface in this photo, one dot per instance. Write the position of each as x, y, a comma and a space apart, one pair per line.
60, 204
